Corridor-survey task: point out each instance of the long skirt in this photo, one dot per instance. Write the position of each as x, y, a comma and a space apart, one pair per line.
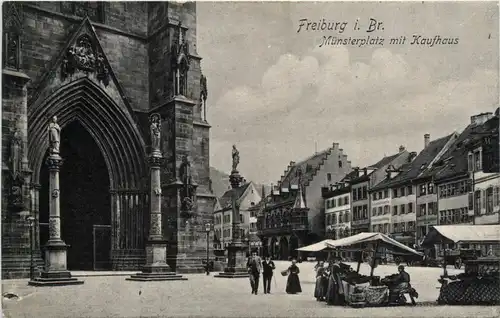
320, 288
333, 296
293, 284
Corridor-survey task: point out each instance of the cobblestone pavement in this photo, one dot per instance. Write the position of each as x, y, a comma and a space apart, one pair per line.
206, 296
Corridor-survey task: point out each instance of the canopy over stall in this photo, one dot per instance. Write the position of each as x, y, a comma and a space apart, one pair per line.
316, 247
376, 238
379, 239
472, 234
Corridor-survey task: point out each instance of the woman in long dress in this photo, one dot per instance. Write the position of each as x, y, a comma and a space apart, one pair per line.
321, 281
293, 282
334, 295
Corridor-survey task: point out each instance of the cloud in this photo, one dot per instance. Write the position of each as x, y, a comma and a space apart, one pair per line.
322, 97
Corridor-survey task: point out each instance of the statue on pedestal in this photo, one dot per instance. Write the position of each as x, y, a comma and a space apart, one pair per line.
54, 137
185, 176
236, 158
155, 130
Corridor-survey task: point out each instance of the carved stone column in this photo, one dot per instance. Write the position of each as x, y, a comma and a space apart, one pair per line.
236, 251
156, 268
55, 272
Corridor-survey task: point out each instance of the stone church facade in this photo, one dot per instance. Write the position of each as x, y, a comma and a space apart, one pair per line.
103, 69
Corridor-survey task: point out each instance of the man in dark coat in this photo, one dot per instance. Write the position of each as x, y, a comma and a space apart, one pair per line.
267, 274
254, 266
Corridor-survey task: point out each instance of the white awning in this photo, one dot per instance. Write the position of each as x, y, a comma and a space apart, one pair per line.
372, 237
316, 247
462, 233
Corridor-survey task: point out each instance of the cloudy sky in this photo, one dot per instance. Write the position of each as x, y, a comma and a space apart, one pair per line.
276, 94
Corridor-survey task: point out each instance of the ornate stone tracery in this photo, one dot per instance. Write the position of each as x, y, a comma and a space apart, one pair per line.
85, 56
12, 30
181, 61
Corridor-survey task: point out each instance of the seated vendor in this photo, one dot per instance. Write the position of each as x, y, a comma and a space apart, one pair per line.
402, 280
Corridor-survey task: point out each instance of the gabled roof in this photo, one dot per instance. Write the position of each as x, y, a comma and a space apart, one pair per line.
225, 201
454, 162
308, 167
384, 161
412, 170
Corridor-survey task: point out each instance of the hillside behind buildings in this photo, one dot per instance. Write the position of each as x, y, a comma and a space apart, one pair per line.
220, 182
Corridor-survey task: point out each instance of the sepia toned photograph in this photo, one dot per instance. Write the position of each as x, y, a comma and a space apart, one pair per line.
250, 159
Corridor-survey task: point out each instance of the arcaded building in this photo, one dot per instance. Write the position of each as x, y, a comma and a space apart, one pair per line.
103, 69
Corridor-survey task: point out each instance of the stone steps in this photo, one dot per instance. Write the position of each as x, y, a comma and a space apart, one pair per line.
146, 277
45, 282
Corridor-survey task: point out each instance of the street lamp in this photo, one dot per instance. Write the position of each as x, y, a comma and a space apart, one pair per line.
31, 222
207, 230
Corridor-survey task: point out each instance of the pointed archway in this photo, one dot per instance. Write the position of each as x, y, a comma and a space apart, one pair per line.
123, 150
283, 248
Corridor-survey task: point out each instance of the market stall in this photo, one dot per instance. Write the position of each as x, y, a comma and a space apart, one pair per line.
360, 290
480, 283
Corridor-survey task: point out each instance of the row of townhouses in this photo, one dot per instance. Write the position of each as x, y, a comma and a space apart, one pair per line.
453, 180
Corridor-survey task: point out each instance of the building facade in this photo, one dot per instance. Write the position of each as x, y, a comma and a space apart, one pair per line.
365, 217
103, 78
279, 236
337, 211
426, 190
484, 198
247, 196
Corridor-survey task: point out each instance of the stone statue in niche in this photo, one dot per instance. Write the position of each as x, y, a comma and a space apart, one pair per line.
236, 158
54, 137
16, 192
155, 130
188, 188
15, 152
83, 56
203, 96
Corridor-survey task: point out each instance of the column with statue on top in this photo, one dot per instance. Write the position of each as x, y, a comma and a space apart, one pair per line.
156, 268
55, 272
236, 250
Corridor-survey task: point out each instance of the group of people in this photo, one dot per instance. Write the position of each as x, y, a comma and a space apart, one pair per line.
255, 265
329, 285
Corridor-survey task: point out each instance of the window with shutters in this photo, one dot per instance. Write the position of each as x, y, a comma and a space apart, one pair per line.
477, 202
402, 211
471, 201
395, 210
489, 200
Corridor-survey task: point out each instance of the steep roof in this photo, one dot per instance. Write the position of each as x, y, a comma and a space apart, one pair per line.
384, 161
308, 167
412, 170
225, 200
454, 162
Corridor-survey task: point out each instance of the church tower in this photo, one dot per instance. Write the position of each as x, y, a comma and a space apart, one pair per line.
103, 69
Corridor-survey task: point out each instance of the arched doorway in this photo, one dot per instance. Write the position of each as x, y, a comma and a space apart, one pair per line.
273, 248
110, 124
284, 248
294, 245
84, 199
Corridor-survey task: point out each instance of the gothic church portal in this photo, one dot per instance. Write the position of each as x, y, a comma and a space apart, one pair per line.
103, 77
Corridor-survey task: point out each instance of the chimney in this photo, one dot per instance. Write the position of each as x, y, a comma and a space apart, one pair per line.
480, 118
412, 156
401, 148
427, 140
365, 170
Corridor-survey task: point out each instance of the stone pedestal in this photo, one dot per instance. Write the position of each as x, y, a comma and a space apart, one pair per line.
236, 265
55, 272
156, 268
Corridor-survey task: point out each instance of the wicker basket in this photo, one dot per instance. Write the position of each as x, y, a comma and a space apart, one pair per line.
284, 273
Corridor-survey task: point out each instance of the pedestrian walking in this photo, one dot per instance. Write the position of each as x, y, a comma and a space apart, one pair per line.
267, 273
293, 282
254, 266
